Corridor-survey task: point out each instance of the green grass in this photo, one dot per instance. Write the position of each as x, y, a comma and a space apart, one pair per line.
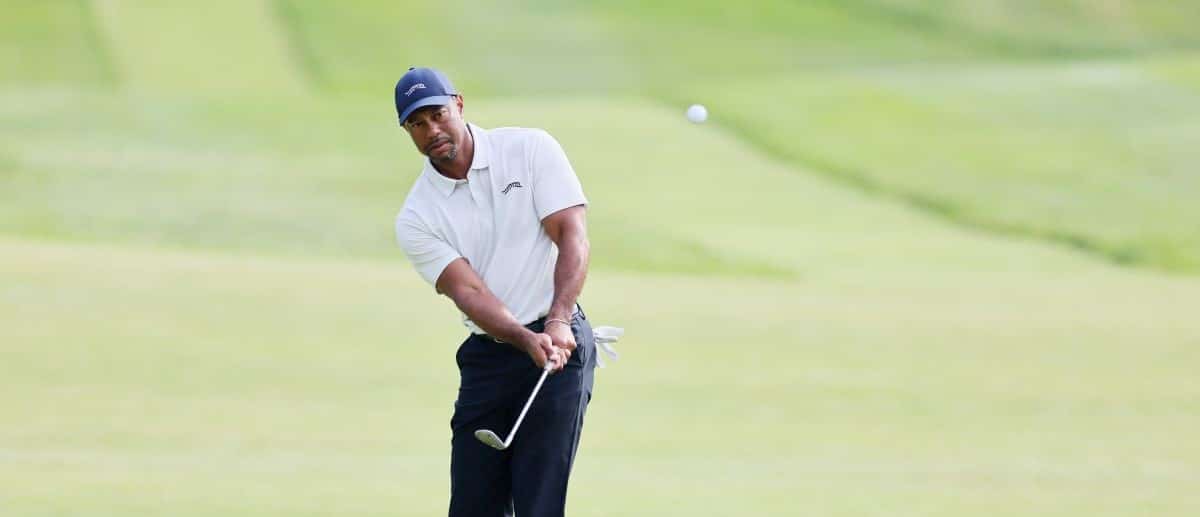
626, 46
1027, 149
257, 176
1092, 155
1098, 156
151, 382
888, 278
1056, 27
52, 41
235, 175
526, 47
880, 356
224, 47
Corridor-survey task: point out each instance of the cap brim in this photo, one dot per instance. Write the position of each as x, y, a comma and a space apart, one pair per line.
436, 100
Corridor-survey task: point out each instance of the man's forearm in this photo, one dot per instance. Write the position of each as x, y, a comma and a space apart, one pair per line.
570, 272
490, 315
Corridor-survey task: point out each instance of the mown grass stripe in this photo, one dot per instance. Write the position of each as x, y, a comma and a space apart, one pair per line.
299, 44
945, 209
101, 46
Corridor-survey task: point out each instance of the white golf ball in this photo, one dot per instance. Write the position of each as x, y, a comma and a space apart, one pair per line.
697, 113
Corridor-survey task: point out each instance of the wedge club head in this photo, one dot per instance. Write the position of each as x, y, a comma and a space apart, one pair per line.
490, 439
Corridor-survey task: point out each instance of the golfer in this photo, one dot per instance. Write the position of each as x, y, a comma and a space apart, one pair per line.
496, 222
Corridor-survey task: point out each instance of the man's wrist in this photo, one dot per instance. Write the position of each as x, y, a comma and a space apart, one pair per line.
557, 321
561, 314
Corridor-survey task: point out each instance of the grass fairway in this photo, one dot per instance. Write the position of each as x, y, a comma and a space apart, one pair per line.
1060, 27
150, 382
51, 41
611, 46
182, 52
803, 348
1061, 120
899, 273
1098, 156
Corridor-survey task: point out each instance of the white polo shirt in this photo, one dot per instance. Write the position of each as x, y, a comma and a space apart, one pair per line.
493, 218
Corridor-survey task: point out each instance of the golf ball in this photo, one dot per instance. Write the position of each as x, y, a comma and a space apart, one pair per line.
697, 113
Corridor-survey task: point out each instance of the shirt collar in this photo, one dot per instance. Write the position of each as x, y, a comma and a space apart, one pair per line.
482, 149
479, 161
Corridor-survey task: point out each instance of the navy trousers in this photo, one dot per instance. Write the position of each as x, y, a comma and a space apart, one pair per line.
530, 477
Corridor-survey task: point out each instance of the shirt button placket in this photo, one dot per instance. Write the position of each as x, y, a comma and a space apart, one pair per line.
483, 208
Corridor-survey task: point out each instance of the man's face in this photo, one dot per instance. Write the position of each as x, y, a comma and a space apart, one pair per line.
438, 131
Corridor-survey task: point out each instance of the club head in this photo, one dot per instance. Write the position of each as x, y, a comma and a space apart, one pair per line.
490, 439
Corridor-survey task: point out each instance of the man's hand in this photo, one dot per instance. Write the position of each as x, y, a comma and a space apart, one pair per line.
561, 337
462, 284
541, 349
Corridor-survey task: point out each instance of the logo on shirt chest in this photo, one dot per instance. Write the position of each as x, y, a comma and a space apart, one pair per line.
513, 185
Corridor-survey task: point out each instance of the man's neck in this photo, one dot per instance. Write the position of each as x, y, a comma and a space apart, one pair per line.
457, 168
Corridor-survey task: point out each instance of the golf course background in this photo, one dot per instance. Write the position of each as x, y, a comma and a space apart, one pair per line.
925, 258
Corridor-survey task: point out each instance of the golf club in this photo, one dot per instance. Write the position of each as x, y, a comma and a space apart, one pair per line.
491, 438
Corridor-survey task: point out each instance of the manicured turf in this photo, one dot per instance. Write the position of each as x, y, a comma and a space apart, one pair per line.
51, 41
1092, 154
1098, 155
912, 266
151, 382
223, 47
1056, 27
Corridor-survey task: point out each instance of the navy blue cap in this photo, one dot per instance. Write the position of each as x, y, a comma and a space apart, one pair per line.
422, 87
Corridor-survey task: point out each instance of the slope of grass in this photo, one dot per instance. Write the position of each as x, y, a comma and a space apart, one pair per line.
654, 47
222, 47
260, 176
547, 47
1050, 26
1034, 150
531, 45
1099, 155
51, 41
666, 195
1091, 155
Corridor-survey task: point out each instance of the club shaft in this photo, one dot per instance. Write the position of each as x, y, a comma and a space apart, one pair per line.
525, 409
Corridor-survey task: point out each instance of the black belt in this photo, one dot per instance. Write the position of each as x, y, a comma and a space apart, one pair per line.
538, 325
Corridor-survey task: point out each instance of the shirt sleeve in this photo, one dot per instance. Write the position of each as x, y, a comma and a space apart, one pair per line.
555, 185
429, 254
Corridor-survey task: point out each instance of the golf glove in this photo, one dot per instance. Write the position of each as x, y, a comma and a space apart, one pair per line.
605, 337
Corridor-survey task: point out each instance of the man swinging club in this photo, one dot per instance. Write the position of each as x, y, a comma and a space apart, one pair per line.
497, 223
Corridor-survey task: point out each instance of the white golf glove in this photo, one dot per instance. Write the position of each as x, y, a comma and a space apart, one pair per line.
605, 337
